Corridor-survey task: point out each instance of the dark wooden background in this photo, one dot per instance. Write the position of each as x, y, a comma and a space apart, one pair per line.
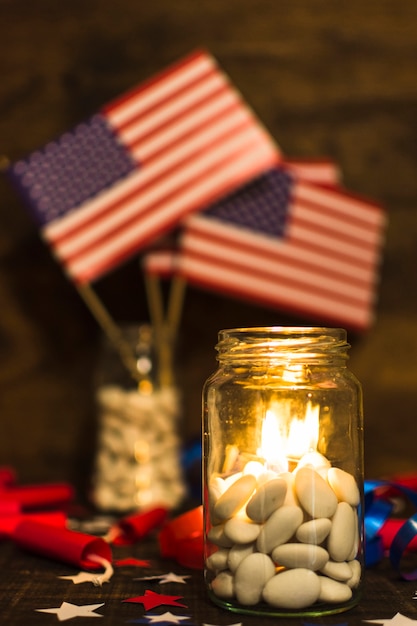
326, 78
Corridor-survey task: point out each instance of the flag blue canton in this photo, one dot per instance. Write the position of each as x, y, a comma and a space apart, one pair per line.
260, 206
72, 169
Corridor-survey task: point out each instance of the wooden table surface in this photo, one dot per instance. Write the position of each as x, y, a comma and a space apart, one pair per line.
29, 582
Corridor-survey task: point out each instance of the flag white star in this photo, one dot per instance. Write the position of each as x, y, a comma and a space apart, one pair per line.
68, 611
167, 617
397, 620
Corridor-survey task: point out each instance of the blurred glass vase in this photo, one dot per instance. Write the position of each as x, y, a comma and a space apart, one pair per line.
138, 449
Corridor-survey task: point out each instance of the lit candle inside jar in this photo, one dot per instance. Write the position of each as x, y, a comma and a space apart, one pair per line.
283, 446
287, 512
272, 444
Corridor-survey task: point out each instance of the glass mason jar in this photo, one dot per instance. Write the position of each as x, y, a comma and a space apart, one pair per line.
283, 473
138, 453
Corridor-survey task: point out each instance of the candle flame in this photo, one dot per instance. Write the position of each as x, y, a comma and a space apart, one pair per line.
272, 443
303, 433
282, 440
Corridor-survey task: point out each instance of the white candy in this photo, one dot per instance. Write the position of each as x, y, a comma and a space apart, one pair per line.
342, 532
356, 574
216, 488
241, 531
314, 493
235, 497
216, 535
279, 528
266, 476
316, 461
344, 486
218, 560
354, 552
292, 589
237, 553
302, 555
290, 497
223, 585
266, 500
334, 591
251, 576
255, 468
315, 531
338, 571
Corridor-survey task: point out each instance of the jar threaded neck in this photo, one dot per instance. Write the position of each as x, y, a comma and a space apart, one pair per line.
313, 344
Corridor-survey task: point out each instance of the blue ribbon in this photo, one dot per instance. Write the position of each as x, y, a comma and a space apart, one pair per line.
378, 510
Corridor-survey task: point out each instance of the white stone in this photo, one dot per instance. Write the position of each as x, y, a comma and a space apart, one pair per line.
241, 531
250, 578
355, 547
338, 571
235, 497
216, 535
316, 461
314, 494
344, 485
279, 528
237, 553
255, 468
232, 478
342, 533
314, 531
267, 476
223, 585
218, 560
290, 497
356, 569
266, 500
292, 589
333, 591
304, 555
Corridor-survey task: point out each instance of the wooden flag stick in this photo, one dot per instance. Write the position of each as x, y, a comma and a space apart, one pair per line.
110, 328
175, 305
163, 341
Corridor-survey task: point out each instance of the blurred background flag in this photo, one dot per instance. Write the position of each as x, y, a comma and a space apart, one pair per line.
115, 183
287, 243
111, 186
319, 171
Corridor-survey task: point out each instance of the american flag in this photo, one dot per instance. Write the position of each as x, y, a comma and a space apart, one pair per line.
130, 173
287, 243
162, 261
318, 171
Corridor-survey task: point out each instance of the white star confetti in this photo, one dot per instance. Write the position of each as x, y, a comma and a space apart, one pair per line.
84, 577
167, 578
397, 620
167, 617
88, 577
68, 611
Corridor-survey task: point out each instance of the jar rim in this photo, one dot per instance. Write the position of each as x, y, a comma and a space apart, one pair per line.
337, 332
268, 341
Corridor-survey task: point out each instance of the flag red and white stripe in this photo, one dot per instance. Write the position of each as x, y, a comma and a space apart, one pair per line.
192, 139
324, 268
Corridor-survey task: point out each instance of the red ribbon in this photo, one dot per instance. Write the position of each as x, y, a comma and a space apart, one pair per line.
182, 539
